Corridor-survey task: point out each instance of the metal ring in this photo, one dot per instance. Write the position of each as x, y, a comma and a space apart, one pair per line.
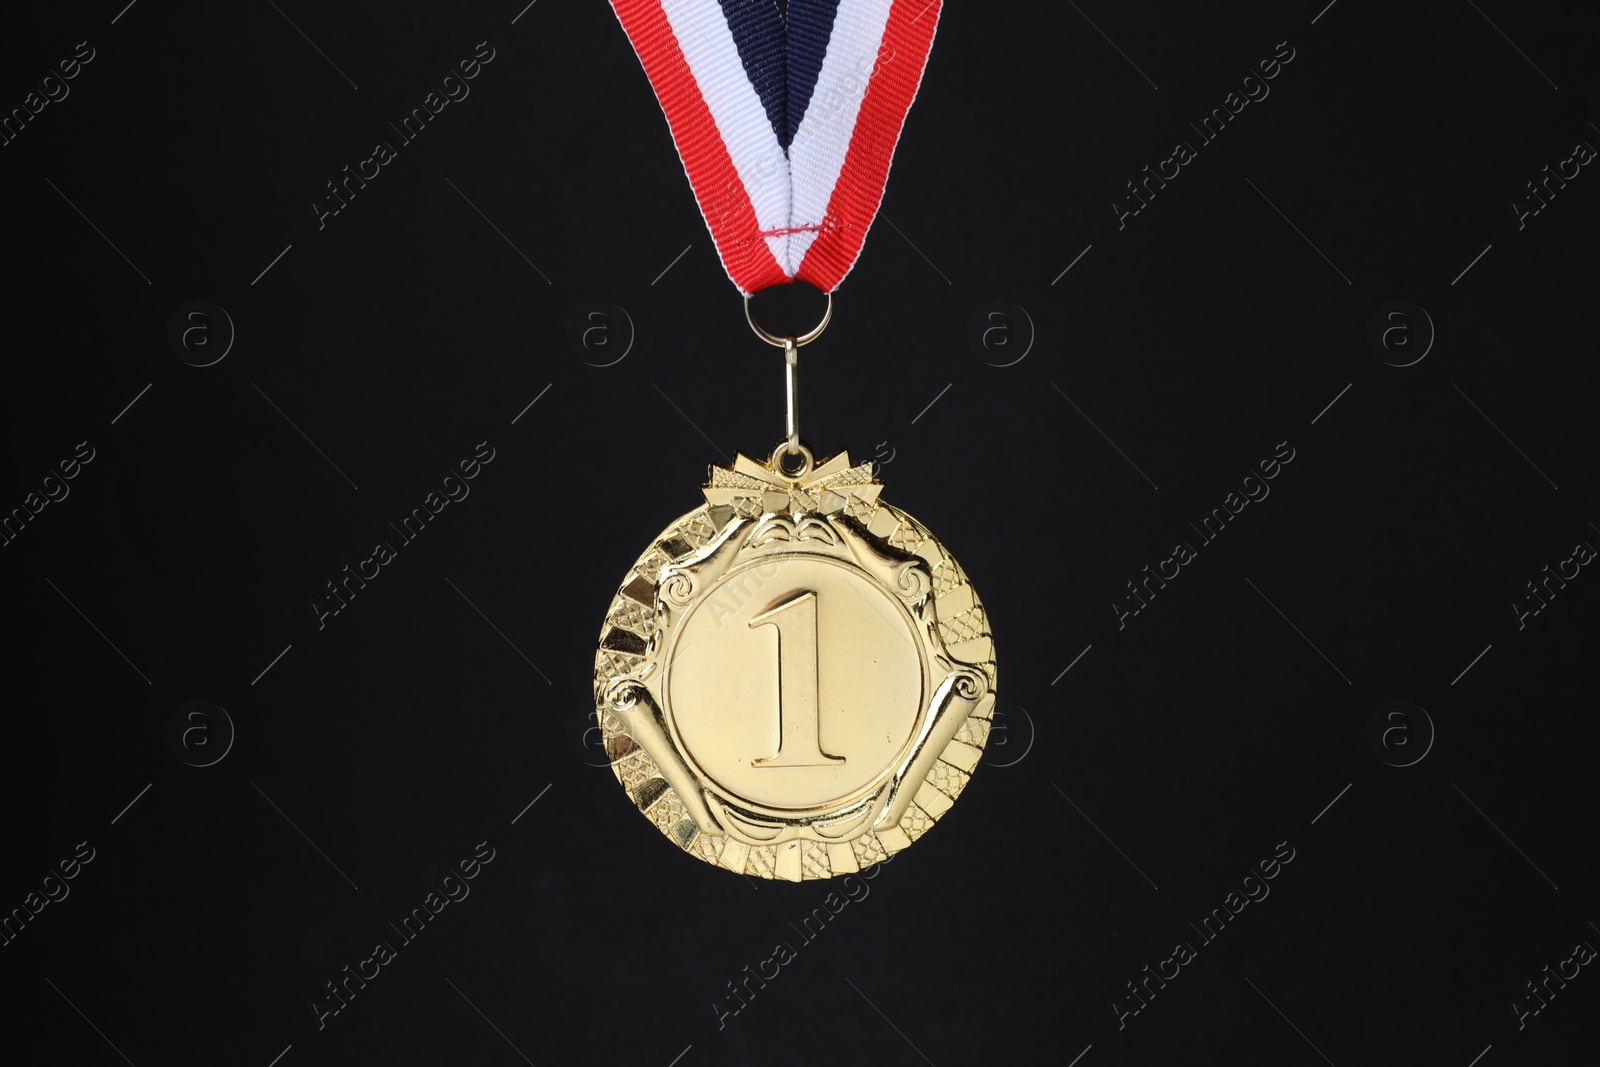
804, 339
807, 461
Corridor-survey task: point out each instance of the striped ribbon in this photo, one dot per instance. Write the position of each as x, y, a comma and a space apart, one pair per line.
786, 126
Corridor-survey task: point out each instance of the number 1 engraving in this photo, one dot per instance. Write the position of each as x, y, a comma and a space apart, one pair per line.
799, 708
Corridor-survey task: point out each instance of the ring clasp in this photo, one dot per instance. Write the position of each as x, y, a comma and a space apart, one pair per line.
780, 342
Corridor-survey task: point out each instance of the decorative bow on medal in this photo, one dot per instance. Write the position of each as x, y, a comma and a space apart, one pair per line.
750, 487
786, 126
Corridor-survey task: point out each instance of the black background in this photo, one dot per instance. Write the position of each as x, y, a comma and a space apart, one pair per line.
425, 717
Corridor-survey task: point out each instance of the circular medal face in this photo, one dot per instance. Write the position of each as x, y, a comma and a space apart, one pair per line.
795, 680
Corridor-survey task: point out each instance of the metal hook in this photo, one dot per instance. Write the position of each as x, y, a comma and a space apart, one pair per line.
791, 381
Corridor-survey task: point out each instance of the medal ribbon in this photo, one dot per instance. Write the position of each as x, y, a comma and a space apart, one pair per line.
785, 128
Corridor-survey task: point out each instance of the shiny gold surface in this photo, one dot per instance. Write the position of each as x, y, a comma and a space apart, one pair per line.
796, 679
794, 709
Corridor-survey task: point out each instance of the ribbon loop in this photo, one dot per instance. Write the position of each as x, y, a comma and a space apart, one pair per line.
786, 128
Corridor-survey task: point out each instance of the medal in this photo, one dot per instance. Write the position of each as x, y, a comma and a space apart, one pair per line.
795, 680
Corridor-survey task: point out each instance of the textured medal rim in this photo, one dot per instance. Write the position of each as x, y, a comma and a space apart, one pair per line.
635, 770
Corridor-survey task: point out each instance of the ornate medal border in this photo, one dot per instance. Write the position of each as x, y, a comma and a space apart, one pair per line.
631, 644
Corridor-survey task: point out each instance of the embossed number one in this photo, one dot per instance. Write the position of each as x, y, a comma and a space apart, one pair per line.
799, 709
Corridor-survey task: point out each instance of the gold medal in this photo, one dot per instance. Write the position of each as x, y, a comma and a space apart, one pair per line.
795, 680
